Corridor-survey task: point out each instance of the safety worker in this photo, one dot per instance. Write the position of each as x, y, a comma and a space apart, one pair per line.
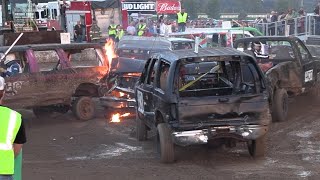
12, 66
95, 33
141, 28
12, 136
182, 20
112, 31
120, 33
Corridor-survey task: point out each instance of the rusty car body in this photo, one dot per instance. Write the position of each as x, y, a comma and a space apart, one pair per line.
291, 70
132, 52
57, 77
217, 94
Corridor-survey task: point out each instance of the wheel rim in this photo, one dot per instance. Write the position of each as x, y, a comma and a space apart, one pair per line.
86, 109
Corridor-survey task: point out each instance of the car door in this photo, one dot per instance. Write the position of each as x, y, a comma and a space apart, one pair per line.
309, 72
145, 90
21, 88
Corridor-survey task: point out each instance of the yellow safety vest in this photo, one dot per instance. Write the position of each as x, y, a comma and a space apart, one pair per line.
112, 30
182, 18
141, 29
120, 34
10, 122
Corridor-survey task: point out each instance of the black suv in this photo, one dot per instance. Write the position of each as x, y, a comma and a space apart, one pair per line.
196, 98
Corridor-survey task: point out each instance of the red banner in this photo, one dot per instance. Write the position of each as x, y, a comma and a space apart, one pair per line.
168, 6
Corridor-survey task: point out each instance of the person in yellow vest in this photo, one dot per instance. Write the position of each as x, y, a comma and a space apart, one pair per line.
182, 20
142, 27
112, 31
120, 33
12, 136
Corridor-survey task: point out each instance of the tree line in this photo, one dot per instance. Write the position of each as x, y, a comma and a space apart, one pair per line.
214, 7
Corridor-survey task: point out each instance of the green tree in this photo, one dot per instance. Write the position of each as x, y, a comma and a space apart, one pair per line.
213, 8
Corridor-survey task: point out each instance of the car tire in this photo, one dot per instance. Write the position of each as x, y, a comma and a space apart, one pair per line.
41, 112
280, 105
257, 147
166, 143
83, 108
141, 129
314, 94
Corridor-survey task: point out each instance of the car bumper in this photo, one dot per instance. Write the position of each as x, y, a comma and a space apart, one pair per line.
245, 132
117, 103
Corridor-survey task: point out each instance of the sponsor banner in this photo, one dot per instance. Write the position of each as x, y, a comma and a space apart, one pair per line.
138, 6
168, 7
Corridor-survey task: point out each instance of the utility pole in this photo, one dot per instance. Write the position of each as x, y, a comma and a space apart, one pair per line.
302, 3
4, 10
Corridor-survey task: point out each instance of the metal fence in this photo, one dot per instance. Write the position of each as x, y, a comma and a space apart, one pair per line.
301, 26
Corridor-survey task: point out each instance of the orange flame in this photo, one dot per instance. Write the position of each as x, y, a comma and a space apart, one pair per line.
121, 94
116, 117
109, 48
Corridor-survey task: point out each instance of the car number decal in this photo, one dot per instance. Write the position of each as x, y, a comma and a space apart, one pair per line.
140, 102
308, 76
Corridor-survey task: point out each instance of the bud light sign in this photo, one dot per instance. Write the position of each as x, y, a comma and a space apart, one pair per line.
138, 6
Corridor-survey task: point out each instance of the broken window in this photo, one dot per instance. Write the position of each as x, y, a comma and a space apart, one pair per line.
164, 72
216, 77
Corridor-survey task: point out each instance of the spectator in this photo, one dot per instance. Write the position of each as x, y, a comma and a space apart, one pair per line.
131, 29
273, 19
301, 21
290, 20
78, 32
317, 18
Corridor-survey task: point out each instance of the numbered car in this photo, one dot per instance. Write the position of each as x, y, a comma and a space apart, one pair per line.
289, 67
213, 96
57, 78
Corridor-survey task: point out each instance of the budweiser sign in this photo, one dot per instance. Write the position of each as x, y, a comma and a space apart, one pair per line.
168, 7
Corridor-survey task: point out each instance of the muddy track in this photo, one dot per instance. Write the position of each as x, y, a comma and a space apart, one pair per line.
60, 147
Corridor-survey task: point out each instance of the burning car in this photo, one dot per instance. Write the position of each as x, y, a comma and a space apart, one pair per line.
131, 55
196, 98
57, 77
290, 68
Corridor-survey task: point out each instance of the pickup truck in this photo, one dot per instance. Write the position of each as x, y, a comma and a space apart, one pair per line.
289, 67
217, 94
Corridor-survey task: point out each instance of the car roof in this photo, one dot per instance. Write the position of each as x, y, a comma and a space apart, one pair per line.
203, 52
267, 38
149, 43
173, 39
47, 47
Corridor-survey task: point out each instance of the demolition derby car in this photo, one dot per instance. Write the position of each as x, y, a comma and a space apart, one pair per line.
197, 98
289, 67
125, 70
57, 77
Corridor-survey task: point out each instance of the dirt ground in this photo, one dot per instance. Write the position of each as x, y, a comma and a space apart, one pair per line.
62, 148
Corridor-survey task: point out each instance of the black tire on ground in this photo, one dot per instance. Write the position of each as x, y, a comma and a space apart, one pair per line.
141, 129
83, 108
41, 112
166, 143
257, 147
280, 105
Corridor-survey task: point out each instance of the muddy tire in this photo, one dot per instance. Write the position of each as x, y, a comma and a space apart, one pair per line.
41, 112
83, 108
141, 129
280, 105
314, 94
257, 147
166, 143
